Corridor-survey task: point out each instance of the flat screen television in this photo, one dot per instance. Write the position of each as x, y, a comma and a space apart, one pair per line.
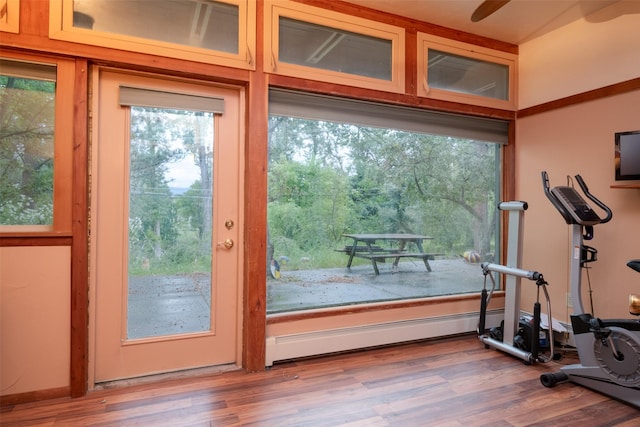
627, 155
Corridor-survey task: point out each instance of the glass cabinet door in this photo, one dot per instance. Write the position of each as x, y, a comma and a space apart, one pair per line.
317, 44
210, 31
470, 74
207, 24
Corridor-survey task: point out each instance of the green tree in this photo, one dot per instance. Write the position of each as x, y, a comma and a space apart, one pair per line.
152, 214
388, 180
451, 178
196, 135
26, 150
308, 203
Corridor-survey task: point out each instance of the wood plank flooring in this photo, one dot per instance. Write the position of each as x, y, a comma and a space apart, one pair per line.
448, 382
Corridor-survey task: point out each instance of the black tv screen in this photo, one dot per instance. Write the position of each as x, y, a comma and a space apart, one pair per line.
627, 155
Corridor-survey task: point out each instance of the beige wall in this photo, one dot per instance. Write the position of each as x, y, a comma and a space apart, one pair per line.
570, 141
34, 294
581, 56
579, 140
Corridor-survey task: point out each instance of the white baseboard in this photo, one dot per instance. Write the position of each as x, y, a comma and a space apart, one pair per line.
293, 346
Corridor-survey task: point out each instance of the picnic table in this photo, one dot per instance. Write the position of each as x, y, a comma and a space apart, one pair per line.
364, 246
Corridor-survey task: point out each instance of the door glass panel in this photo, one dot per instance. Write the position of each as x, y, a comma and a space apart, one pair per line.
207, 24
327, 48
170, 217
461, 74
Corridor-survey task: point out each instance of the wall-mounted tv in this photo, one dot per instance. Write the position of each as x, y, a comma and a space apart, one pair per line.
627, 155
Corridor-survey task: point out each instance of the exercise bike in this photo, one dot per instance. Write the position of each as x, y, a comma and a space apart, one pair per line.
608, 349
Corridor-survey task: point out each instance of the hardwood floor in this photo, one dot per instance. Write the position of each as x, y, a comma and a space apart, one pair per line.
448, 382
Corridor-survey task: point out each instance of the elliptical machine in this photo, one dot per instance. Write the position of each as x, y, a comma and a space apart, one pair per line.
608, 349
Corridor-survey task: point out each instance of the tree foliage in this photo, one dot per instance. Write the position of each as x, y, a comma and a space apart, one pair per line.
169, 228
326, 179
26, 151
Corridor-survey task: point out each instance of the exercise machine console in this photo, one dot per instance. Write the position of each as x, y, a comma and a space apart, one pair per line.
608, 349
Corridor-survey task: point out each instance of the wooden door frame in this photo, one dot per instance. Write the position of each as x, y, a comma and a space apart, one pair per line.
79, 361
253, 210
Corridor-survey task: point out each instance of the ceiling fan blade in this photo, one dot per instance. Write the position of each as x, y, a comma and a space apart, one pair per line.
487, 8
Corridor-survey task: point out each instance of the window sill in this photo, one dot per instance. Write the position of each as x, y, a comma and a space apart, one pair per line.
33, 238
364, 308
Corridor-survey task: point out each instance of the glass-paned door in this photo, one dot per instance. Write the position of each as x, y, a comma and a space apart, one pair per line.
170, 201
167, 194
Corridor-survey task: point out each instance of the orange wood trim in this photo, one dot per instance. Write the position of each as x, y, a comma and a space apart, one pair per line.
129, 60
34, 18
33, 396
628, 186
79, 365
63, 147
369, 308
255, 212
388, 97
411, 63
591, 95
508, 185
36, 239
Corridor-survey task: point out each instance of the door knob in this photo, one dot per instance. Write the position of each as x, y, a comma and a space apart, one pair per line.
227, 244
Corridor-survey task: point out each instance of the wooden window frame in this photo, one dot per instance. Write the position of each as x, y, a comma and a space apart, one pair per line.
61, 28
63, 138
274, 9
427, 41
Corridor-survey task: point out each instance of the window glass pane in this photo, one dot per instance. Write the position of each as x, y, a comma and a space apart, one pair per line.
327, 48
27, 110
467, 75
170, 217
206, 24
328, 179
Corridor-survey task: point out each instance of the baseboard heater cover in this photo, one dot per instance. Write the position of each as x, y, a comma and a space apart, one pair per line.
314, 343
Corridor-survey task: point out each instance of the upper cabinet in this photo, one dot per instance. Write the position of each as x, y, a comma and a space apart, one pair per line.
470, 74
10, 16
216, 32
307, 42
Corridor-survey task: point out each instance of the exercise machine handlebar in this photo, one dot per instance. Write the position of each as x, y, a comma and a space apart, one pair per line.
555, 202
515, 205
595, 200
518, 272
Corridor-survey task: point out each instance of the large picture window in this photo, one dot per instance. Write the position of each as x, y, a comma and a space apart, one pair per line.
414, 191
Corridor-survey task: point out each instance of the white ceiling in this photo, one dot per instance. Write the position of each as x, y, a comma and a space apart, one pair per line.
516, 22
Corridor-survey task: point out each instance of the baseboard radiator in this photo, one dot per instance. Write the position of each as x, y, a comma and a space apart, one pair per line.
294, 346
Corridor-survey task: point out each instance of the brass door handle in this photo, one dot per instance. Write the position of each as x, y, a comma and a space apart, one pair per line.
227, 244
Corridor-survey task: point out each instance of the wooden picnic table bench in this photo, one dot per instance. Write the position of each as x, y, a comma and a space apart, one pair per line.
364, 247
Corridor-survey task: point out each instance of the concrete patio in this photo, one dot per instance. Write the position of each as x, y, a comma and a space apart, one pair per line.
163, 305
307, 289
